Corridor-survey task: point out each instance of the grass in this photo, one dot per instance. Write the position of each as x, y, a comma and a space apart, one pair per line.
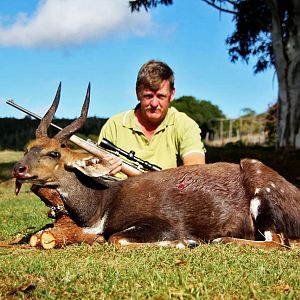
106, 272
7, 160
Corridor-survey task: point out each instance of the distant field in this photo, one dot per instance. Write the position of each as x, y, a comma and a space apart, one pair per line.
105, 272
10, 156
7, 160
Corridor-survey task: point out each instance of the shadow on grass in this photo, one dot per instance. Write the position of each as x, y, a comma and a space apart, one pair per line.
286, 164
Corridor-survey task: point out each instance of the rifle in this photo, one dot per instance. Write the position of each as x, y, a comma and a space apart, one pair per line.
104, 149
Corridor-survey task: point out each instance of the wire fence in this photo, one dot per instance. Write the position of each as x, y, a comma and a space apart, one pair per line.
249, 130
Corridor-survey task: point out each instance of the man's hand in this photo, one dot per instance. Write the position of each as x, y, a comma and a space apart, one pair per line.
116, 164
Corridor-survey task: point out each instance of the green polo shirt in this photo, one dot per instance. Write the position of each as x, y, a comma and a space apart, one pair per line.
175, 137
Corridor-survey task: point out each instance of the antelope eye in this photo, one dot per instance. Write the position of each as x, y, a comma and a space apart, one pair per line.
53, 154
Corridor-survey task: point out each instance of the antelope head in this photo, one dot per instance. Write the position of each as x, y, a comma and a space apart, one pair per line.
45, 158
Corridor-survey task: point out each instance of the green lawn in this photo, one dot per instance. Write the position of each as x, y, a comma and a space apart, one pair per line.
105, 272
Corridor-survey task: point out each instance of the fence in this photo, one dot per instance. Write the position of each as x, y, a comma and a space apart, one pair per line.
249, 130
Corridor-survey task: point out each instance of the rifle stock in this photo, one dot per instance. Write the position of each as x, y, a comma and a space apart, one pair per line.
127, 168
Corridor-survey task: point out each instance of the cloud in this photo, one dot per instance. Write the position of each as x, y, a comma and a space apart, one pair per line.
61, 23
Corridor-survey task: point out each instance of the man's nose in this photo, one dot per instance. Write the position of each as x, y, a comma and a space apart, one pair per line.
154, 101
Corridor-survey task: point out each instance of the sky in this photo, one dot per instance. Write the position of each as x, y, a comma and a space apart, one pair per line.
44, 42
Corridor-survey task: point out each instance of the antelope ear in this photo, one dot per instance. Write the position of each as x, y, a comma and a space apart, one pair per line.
91, 166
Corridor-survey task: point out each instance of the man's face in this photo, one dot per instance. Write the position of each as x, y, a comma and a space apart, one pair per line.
154, 104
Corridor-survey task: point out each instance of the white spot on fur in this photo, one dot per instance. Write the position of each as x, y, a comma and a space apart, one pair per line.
130, 228
164, 243
97, 228
282, 191
123, 242
268, 236
256, 191
218, 240
273, 185
56, 167
258, 172
64, 195
180, 246
254, 207
191, 243
268, 190
253, 161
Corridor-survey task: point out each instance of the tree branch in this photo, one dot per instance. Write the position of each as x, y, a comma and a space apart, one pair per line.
220, 8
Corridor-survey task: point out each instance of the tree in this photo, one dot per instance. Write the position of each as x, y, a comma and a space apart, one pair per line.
247, 112
202, 111
270, 126
270, 31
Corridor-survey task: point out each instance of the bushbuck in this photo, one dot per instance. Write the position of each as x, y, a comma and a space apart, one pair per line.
246, 203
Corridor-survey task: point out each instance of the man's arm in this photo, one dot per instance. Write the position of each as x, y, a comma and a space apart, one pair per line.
190, 145
194, 158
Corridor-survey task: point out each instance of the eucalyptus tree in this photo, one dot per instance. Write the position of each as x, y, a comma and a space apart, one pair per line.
268, 30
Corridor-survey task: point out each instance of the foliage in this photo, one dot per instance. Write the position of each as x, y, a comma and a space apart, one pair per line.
248, 112
202, 111
270, 127
252, 35
136, 5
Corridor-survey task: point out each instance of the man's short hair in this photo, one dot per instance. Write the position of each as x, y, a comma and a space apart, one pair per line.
151, 75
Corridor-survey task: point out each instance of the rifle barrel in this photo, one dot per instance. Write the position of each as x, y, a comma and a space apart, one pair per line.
27, 112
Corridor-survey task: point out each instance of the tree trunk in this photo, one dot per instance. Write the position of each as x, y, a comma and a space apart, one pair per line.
64, 230
287, 64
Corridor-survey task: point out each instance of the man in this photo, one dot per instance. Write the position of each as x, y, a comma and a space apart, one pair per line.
156, 133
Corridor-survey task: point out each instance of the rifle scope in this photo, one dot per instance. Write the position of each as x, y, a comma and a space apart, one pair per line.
106, 144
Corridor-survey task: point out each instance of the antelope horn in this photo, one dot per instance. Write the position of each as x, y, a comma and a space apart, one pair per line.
67, 132
41, 131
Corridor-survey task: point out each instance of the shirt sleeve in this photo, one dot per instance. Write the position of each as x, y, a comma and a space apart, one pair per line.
189, 137
108, 131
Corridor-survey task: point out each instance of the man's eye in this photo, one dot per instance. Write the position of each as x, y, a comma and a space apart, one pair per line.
162, 97
53, 154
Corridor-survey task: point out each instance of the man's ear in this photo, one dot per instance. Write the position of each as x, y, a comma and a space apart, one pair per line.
137, 96
172, 95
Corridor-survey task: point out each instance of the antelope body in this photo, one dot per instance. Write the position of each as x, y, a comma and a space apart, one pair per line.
179, 207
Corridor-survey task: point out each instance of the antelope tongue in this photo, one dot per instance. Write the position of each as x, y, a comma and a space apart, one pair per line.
18, 187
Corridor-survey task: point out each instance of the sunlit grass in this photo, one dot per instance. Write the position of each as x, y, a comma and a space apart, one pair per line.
10, 156
7, 160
